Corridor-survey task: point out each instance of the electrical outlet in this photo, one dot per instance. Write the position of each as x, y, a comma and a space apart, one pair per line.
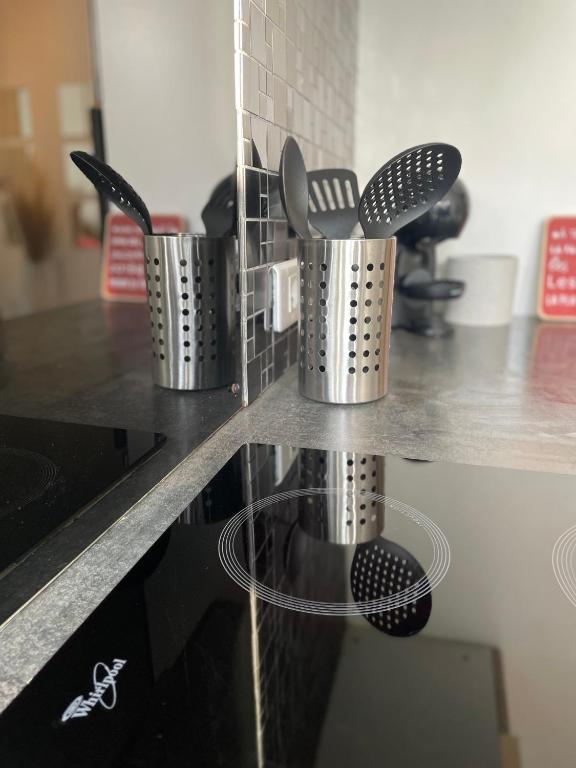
285, 294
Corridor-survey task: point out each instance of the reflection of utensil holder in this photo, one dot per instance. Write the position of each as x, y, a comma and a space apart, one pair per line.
346, 307
191, 283
342, 517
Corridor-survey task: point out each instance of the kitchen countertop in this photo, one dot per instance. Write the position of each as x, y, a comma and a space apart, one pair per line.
500, 397
497, 396
90, 363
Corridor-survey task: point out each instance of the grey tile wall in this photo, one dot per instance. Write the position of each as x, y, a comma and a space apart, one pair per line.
295, 74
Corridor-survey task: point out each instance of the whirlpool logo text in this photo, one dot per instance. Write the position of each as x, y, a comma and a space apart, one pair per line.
103, 692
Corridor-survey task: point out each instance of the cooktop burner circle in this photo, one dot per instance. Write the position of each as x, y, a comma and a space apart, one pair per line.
563, 563
26, 475
437, 570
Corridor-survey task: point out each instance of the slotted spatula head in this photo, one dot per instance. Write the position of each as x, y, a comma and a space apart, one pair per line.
381, 568
219, 213
333, 204
406, 187
115, 188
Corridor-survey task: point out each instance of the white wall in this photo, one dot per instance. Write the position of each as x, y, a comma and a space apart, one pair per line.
500, 590
498, 80
167, 87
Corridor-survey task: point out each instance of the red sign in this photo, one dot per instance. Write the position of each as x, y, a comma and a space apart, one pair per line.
557, 295
123, 274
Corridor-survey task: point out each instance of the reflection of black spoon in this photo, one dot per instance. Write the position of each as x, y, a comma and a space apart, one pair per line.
219, 213
109, 183
293, 185
293, 552
382, 568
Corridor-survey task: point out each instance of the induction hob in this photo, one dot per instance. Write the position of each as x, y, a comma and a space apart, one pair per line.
318, 608
50, 472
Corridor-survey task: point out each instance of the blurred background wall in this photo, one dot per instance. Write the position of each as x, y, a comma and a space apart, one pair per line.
496, 79
167, 89
163, 73
45, 94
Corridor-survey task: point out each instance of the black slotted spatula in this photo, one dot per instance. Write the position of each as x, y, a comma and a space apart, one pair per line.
333, 205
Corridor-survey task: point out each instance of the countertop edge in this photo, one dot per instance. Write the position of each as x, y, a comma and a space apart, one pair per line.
28, 640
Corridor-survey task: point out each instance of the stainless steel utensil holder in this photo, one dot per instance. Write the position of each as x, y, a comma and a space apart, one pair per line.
343, 515
346, 289
191, 283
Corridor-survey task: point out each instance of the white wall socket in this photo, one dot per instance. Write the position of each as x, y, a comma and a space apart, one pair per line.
285, 294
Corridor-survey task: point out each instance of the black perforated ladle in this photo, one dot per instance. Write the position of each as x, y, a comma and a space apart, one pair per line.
383, 569
406, 187
109, 183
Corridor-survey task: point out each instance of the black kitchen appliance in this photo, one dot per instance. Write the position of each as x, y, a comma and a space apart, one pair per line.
50, 473
416, 286
236, 640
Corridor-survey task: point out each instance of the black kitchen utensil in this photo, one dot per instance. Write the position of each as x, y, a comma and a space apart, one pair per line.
293, 182
406, 187
333, 204
382, 568
108, 182
416, 285
219, 213
444, 220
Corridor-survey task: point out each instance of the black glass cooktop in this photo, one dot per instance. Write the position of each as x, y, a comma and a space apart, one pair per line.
50, 471
325, 609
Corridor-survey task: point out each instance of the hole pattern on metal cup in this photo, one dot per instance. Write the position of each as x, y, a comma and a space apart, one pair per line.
321, 300
178, 310
356, 474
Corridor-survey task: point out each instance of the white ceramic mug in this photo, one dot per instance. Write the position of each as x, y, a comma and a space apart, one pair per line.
489, 293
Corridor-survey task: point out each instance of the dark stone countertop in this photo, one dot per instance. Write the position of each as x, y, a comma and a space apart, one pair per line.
90, 364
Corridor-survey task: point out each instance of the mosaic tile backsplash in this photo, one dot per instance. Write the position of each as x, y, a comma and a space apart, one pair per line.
295, 74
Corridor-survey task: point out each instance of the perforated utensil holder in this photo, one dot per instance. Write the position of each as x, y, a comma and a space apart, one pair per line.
191, 283
343, 515
346, 289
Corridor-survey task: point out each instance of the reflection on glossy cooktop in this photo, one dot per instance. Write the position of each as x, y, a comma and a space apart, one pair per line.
388, 582
325, 609
50, 470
